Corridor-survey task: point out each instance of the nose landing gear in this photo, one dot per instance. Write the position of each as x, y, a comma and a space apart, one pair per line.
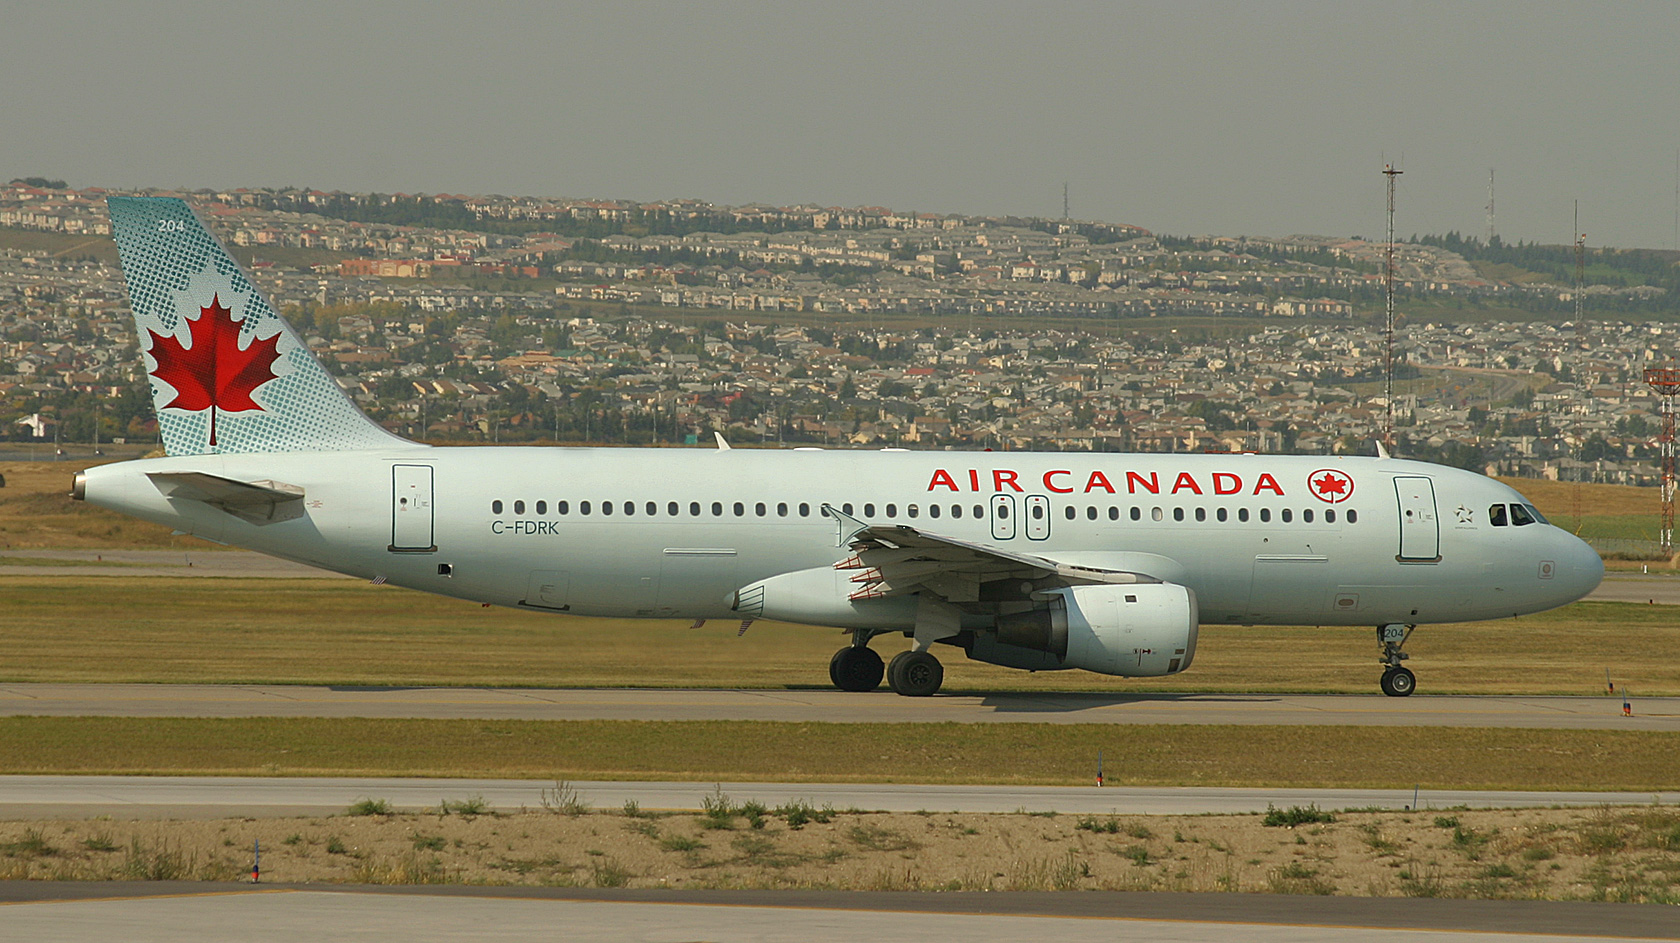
1397, 681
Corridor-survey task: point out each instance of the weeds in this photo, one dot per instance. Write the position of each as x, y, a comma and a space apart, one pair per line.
1295, 815
470, 806
562, 798
99, 841
429, 842
799, 813
1297, 878
1091, 824
32, 845
876, 838
370, 807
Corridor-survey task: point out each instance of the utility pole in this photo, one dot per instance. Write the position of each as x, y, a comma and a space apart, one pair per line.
1666, 382
1491, 230
1065, 213
1580, 261
1388, 315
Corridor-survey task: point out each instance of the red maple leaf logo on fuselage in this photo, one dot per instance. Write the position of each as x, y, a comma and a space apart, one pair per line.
214, 372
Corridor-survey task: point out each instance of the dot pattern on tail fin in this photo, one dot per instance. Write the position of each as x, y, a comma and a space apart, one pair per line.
173, 268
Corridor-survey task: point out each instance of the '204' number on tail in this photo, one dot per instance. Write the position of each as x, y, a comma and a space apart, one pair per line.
171, 225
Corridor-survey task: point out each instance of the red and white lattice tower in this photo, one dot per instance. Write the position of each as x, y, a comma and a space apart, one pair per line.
1666, 381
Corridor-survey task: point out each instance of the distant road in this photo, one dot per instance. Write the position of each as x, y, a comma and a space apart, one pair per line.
186, 912
821, 705
42, 797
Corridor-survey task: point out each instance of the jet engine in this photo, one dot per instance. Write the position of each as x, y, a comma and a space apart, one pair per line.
1133, 630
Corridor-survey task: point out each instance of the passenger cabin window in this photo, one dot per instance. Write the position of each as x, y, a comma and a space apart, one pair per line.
1038, 512
1201, 514
629, 508
542, 507
562, 507
781, 509
804, 509
1114, 513
1286, 515
740, 509
1307, 515
652, 508
1265, 515
583, 507
933, 510
1329, 515
717, 508
1178, 514
519, 507
1242, 515
1091, 513
912, 510
1070, 512
672, 508
1352, 516
1155, 513
846, 508
1220, 514
495, 507
979, 512
868, 510
1520, 515
1137, 514
892, 510
694, 509
606, 508
759, 509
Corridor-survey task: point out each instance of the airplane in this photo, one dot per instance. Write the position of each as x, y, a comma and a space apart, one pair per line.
1108, 563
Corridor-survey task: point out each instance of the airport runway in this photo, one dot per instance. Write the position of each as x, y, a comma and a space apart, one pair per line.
183, 913
202, 797
823, 705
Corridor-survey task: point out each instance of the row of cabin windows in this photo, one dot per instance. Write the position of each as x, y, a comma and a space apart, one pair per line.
760, 509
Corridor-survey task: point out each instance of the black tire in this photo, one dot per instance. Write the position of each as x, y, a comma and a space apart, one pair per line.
915, 674
856, 669
1398, 682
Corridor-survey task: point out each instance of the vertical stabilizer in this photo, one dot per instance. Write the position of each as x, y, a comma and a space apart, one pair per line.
227, 374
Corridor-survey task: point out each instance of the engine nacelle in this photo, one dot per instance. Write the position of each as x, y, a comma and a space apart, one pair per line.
819, 597
1134, 630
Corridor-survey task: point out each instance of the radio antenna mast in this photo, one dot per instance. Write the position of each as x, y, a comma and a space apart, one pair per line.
1388, 315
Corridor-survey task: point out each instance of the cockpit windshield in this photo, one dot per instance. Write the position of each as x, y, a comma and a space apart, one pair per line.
1517, 516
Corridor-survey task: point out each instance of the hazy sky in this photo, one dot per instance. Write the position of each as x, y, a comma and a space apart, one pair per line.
1229, 118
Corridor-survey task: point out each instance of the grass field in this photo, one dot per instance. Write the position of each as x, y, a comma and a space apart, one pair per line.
94, 629
701, 751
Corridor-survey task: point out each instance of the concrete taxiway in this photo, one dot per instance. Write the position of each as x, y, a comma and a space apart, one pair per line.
139, 913
40, 797
815, 706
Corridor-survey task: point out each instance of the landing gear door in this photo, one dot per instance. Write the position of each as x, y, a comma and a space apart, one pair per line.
1420, 532
1003, 517
411, 509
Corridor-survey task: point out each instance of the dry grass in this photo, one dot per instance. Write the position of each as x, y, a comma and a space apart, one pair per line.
78, 628
1628, 854
706, 751
36, 513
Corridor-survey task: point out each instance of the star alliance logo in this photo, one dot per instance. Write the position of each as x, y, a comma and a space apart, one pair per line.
1465, 515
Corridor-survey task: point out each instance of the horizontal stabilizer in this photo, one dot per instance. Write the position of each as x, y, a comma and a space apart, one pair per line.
260, 502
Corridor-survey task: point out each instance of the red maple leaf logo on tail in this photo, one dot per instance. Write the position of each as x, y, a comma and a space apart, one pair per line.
214, 371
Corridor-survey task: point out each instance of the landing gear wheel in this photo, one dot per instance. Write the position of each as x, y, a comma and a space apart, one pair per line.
855, 669
1398, 682
915, 674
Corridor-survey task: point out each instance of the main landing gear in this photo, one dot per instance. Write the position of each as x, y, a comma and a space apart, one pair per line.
1397, 681
857, 668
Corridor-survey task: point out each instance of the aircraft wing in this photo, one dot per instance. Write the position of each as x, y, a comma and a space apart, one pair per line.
894, 559
260, 502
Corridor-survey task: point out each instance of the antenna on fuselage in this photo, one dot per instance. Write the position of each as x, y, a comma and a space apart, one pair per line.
723, 446
1381, 451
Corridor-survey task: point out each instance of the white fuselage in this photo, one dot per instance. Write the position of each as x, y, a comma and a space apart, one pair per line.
675, 532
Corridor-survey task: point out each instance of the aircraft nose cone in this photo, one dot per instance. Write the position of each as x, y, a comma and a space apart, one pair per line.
1586, 567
